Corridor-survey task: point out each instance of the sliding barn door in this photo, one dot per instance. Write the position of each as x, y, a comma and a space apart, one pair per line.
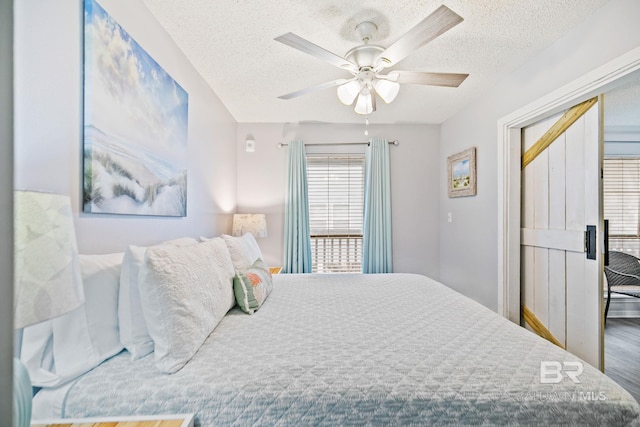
561, 272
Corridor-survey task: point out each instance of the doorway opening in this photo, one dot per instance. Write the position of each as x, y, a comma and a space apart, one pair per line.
602, 79
621, 202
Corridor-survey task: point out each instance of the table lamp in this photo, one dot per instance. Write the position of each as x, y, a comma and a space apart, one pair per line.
47, 280
255, 224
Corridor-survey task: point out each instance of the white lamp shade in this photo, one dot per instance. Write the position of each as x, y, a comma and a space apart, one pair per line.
364, 105
47, 271
387, 90
347, 92
255, 224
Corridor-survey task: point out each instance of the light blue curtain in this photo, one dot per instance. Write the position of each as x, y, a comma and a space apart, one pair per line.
376, 235
297, 240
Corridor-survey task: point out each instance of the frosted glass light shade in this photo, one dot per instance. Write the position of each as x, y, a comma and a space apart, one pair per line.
47, 271
387, 90
255, 224
364, 105
347, 92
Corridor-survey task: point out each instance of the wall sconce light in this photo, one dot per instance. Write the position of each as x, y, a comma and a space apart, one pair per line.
250, 145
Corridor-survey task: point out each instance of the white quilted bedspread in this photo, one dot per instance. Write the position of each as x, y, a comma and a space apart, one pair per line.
341, 350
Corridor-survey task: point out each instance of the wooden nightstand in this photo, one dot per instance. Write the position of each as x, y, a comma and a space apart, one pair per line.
275, 270
181, 420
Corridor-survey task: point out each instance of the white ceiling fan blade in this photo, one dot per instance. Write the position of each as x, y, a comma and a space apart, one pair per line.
431, 79
440, 21
315, 88
312, 49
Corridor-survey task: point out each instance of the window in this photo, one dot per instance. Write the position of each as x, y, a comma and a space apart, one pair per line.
336, 210
621, 194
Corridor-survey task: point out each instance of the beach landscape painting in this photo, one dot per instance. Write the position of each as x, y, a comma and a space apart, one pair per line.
461, 169
135, 125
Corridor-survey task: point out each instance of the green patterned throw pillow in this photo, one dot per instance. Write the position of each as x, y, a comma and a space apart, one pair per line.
252, 286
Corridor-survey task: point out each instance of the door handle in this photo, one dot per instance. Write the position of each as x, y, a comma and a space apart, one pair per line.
590, 242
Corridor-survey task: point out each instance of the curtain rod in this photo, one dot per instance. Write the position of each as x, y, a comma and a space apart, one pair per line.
284, 144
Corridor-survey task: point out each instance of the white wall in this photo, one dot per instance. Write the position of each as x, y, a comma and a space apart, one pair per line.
6, 210
48, 120
468, 248
414, 184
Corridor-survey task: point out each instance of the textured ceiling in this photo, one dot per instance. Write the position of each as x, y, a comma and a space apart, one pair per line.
231, 45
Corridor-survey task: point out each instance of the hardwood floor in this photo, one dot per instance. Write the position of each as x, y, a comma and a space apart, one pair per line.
622, 353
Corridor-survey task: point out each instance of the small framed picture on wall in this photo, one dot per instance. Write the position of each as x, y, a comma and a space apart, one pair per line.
461, 172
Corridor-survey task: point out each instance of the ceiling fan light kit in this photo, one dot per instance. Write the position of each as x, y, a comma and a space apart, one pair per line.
366, 102
366, 62
387, 89
348, 92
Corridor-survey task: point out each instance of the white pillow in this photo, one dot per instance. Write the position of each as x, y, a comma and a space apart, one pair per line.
134, 335
185, 291
133, 330
36, 354
244, 250
63, 348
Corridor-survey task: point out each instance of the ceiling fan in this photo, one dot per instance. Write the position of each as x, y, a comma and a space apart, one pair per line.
367, 62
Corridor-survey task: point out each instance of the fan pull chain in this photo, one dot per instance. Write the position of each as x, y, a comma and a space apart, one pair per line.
366, 125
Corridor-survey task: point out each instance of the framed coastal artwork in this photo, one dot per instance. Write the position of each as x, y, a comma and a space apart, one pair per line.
461, 171
135, 125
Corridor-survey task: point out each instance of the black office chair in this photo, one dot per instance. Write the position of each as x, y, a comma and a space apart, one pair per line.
623, 276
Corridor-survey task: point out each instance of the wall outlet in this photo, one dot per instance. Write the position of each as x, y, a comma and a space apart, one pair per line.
449, 217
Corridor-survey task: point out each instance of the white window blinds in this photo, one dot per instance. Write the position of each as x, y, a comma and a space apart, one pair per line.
336, 210
621, 199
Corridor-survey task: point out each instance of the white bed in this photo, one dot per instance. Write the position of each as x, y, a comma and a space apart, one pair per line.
397, 349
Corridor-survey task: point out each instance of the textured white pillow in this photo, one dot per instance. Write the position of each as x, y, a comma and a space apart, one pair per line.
133, 329
63, 348
244, 250
185, 291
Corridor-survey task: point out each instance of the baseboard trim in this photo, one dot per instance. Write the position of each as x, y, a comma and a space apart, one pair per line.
623, 306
